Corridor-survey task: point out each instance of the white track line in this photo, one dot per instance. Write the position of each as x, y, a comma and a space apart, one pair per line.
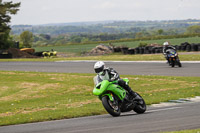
156, 110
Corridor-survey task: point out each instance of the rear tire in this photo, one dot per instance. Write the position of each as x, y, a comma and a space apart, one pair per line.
179, 64
112, 109
140, 107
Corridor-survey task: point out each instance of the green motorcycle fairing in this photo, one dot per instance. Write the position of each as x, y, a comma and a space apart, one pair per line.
105, 86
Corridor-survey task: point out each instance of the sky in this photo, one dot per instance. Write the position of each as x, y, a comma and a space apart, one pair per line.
33, 12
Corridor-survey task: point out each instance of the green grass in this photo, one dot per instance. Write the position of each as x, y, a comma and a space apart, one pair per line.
32, 96
78, 48
117, 57
185, 131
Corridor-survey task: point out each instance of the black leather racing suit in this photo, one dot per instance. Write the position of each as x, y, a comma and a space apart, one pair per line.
165, 49
111, 74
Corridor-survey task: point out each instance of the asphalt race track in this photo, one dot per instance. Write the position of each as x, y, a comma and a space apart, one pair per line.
123, 68
156, 119
181, 116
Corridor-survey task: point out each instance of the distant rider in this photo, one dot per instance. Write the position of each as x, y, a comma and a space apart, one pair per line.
107, 73
166, 46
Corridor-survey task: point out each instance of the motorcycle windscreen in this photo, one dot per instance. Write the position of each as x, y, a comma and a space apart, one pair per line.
102, 88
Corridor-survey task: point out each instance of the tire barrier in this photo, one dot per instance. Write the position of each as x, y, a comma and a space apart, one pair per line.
131, 51
124, 50
117, 49
137, 51
188, 48
157, 49
4, 54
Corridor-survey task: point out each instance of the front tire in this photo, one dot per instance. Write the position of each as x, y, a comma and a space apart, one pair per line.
172, 63
111, 107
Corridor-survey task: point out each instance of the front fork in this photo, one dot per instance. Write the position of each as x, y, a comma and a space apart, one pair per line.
110, 95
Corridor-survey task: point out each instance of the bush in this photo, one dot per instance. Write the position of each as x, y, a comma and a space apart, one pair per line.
143, 44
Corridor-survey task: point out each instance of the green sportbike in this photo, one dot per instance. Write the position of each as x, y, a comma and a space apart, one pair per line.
115, 99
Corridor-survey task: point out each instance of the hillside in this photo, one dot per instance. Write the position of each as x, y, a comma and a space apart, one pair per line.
105, 27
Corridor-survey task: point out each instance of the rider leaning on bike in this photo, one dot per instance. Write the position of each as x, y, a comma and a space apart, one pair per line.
166, 46
107, 73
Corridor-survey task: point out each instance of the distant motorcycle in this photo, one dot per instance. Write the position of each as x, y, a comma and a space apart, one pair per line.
173, 58
115, 99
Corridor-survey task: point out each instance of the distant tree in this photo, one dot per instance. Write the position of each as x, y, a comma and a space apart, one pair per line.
172, 32
139, 35
193, 29
84, 39
160, 31
45, 36
6, 9
135, 29
76, 39
26, 38
143, 44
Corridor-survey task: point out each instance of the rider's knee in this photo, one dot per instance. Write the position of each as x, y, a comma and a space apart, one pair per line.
121, 82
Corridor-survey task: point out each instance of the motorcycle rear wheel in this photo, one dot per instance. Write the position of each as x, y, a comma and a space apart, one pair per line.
111, 107
140, 107
179, 63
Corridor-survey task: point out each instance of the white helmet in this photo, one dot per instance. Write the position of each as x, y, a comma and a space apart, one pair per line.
99, 67
165, 43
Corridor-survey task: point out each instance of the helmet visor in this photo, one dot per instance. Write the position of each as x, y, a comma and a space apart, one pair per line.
99, 70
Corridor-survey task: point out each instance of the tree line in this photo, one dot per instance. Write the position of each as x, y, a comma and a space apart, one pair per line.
28, 39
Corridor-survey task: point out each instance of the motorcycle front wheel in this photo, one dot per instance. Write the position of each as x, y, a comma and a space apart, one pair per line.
172, 63
111, 107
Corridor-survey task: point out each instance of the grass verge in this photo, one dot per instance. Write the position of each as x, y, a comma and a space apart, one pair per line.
118, 57
185, 131
32, 96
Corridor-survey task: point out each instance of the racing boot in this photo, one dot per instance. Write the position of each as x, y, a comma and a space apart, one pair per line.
133, 95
